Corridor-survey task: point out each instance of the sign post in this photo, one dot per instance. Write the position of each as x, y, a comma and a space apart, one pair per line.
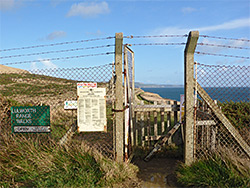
30, 119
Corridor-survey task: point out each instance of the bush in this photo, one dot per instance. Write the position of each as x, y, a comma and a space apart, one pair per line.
237, 112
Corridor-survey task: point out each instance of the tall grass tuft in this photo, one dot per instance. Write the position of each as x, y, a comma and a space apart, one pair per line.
220, 169
38, 161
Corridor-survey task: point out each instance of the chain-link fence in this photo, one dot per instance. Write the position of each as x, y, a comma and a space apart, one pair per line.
52, 87
222, 109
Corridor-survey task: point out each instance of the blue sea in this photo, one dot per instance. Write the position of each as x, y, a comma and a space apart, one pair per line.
221, 94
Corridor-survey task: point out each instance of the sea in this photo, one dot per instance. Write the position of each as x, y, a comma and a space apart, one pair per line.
222, 94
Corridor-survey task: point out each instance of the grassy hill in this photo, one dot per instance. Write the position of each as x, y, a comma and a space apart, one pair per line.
37, 160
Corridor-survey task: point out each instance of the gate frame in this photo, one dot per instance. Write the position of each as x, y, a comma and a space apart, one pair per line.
119, 115
191, 86
189, 97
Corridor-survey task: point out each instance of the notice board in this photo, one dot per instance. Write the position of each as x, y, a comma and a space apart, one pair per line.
91, 109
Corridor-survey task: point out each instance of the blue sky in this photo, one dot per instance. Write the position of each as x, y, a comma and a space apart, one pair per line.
35, 22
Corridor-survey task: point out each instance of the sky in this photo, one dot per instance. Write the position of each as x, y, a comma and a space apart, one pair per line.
25, 23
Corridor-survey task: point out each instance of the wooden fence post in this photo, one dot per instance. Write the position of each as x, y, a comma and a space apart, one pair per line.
119, 133
189, 96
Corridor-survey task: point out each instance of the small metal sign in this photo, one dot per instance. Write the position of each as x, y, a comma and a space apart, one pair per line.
30, 119
182, 108
70, 105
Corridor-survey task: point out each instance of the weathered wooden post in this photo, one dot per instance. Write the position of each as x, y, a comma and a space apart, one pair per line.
119, 134
189, 96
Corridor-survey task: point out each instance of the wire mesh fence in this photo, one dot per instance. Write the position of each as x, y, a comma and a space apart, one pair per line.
222, 118
52, 87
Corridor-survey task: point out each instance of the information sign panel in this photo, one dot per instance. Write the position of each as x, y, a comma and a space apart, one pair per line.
30, 119
91, 109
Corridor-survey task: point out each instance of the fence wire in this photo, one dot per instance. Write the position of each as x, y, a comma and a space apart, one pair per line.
52, 87
229, 88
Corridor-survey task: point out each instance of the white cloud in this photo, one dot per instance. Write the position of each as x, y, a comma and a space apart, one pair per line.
48, 64
233, 24
239, 43
187, 10
33, 66
210, 49
55, 35
97, 33
86, 9
6, 4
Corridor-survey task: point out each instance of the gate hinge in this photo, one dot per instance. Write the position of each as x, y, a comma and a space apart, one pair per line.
125, 107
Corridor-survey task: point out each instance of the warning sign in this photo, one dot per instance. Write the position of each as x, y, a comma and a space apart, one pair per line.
182, 108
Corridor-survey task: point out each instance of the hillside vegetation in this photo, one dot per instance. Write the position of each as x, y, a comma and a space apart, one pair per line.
37, 160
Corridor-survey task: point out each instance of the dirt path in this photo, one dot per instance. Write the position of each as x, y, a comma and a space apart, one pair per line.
158, 172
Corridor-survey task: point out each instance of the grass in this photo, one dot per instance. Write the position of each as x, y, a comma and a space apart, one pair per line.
220, 169
145, 101
34, 161
34, 85
37, 160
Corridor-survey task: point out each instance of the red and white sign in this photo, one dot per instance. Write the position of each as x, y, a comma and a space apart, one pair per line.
182, 106
86, 85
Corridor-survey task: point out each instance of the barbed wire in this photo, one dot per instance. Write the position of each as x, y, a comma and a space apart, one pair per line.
55, 44
75, 68
222, 55
223, 46
224, 38
59, 58
152, 44
222, 66
154, 36
58, 51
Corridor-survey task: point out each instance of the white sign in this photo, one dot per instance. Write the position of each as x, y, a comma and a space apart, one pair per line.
32, 129
91, 111
182, 108
70, 105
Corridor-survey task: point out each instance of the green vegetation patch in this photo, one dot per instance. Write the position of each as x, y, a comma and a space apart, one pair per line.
33, 85
37, 161
237, 112
215, 171
33, 160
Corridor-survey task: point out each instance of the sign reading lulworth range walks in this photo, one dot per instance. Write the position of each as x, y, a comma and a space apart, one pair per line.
30, 119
